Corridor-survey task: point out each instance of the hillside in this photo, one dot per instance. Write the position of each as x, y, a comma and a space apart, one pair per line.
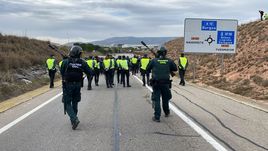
22, 65
133, 40
245, 73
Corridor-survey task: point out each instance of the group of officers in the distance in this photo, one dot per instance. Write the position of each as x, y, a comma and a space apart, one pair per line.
121, 67
73, 67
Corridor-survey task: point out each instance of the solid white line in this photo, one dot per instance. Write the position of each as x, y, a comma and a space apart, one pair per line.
8, 126
195, 126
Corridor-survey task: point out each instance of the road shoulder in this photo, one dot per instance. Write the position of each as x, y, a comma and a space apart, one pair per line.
10, 103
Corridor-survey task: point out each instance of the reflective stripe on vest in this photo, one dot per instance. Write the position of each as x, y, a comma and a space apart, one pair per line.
134, 60
113, 63
124, 64
106, 63
183, 62
144, 63
60, 63
96, 64
50, 64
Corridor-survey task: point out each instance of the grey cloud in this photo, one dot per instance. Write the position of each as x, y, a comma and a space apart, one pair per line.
97, 19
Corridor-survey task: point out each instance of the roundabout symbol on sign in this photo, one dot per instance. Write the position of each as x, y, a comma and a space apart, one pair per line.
209, 40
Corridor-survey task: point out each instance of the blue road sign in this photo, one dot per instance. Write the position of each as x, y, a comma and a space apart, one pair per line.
226, 37
209, 25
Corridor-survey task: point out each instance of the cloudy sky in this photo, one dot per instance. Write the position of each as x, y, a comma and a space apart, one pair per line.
87, 20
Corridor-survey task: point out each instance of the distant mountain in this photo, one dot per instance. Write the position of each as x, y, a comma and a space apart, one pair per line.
133, 40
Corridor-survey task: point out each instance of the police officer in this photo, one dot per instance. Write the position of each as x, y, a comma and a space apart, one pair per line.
261, 13
97, 70
91, 63
143, 65
161, 68
134, 64
118, 69
183, 63
107, 71
125, 64
113, 67
51, 66
72, 74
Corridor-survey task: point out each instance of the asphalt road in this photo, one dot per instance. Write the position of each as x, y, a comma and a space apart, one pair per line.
120, 119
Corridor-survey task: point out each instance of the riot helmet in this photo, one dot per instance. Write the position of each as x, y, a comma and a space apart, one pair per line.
75, 52
162, 52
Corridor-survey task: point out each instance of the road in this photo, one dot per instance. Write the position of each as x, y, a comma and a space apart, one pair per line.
120, 119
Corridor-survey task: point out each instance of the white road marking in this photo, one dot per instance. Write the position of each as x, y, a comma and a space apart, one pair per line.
8, 126
195, 126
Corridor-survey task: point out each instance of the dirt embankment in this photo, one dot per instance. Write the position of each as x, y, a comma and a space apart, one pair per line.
245, 73
22, 65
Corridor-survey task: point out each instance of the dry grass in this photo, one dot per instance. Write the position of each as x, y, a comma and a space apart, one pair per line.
19, 55
21, 52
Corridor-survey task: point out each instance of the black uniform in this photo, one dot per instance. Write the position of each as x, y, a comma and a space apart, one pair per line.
72, 74
161, 68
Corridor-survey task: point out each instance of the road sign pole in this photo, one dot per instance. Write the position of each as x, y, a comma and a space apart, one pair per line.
194, 68
222, 64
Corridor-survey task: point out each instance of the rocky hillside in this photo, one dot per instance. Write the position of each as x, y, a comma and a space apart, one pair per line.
245, 73
22, 65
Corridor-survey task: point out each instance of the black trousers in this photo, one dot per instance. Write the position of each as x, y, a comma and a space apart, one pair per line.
125, 75
112, 74
182, 73
134, 69
51, 74
96, 77
164, 92
118, 73
89, 79
108, 78
144, 74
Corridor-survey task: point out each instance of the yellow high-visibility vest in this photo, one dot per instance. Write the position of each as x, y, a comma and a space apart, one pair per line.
97, 64
144, 63
134, 60
106, 63
183, 62
118, 61
124, 64
90, 63
50, 64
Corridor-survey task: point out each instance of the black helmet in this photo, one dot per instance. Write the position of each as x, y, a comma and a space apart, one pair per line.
75, 52
162, 51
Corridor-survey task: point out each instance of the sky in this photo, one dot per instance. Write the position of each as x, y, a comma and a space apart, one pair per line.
64, 21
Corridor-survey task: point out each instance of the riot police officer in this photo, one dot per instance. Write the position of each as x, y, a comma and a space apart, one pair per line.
72, 74
161, 68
